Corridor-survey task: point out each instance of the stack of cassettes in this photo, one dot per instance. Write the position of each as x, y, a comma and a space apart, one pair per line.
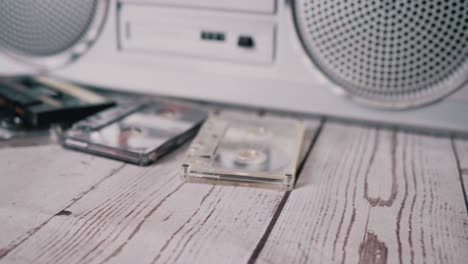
259, 152
231, 149
31, 108
41, 101
13, 133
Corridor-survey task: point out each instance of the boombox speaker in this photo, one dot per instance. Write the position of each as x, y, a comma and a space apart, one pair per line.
49, 33
388, 53
397, 62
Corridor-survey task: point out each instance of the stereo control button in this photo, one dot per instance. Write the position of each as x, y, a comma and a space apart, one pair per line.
246, 42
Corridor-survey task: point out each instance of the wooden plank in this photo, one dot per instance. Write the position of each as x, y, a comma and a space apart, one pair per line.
150, 214
461, 149
37, 139
373, 196
38, 182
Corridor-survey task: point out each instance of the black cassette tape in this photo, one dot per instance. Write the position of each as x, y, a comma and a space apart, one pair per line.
13, 133
41, 101
138, 134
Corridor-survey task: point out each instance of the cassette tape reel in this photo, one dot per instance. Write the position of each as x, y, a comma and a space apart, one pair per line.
248, 152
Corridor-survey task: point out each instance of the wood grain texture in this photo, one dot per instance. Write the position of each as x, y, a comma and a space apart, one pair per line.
38, 182
150, 215
373, 196
461, 149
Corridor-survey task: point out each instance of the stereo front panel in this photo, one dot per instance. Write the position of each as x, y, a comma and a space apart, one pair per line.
202, 34
253, 6
255, 53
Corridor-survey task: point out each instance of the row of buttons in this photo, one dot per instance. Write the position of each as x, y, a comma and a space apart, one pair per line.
243, 41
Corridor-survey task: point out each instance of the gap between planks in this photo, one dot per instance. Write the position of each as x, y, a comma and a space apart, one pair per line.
369, 195
153, 216
66, 156
31, 232
284, 199
460, 147
38, 182
112, 222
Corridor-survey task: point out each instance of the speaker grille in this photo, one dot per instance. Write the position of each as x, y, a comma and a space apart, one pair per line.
45, 27
388, 53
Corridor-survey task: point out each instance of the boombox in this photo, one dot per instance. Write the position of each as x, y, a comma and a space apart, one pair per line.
397, 62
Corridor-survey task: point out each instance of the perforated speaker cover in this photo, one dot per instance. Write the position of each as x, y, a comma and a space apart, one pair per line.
388, 53
39, 29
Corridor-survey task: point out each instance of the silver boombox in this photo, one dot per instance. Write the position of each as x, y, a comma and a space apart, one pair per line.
397, 62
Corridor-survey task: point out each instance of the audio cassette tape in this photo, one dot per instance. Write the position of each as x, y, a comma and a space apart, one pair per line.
257, 152
40, 101
138, 134
13, 133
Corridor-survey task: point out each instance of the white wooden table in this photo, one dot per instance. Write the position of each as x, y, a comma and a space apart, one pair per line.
364, 195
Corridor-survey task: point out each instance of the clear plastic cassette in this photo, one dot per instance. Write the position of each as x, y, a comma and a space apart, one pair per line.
258, 152
139, 134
